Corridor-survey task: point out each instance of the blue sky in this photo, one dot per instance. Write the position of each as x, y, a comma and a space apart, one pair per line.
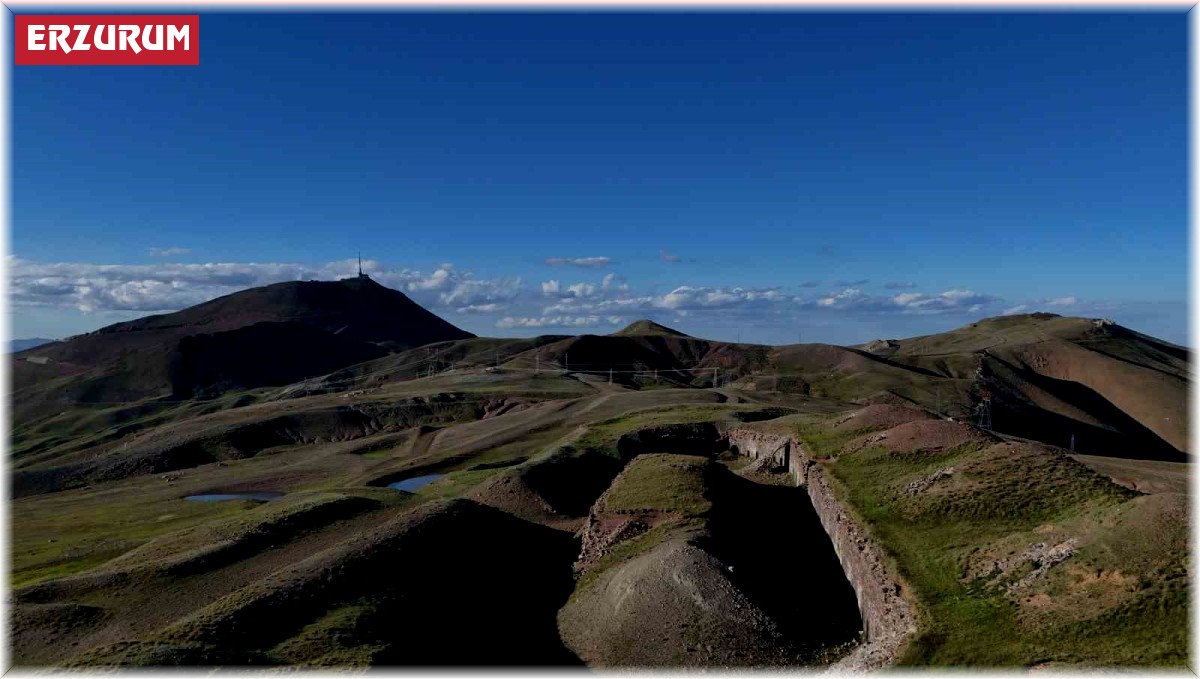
770, 176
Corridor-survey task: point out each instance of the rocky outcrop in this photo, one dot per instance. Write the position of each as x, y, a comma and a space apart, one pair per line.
888, 618
759, 446
1042, 556
697, 439
920, 485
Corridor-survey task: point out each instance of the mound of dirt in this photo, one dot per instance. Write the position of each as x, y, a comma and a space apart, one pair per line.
672, 606
925, 435
508, 492
881, 416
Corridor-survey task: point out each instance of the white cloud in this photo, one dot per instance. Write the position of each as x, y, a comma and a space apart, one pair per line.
480, 309
1061, 301
614, 284
1014, 310
611, 285
900, 285
845, 298
580, 290
688, 297
441, 279
854, 299
951, 300
586, 262
167, 252
556, 322
171, 286
614, 297
668, 257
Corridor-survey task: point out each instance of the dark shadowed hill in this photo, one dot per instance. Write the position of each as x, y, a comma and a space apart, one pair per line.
275, 334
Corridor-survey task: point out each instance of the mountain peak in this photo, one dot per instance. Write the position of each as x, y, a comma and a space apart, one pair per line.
646, 326
262, 336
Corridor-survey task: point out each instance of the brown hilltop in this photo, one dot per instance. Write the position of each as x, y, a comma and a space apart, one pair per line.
647, 327
274, 334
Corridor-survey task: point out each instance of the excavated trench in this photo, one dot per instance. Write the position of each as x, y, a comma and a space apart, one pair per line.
780, 556
459, 582
887, 618
794, 549
791, 548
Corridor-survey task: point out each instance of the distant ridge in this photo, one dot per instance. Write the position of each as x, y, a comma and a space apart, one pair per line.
29, 343
646, 327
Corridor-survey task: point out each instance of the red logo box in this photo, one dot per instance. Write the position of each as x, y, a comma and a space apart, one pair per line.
107, 40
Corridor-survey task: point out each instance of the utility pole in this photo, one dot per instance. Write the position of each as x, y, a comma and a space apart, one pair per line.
939, 401
1072, 442
567, 361
538, 359
610, 375
985, 411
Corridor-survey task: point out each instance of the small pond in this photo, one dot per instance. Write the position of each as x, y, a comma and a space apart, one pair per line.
411, 484
218, 497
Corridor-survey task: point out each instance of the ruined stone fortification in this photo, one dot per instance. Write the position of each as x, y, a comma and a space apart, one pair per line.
888, 618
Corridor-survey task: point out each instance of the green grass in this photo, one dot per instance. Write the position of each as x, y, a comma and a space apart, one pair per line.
456, 483
73, 531
675, 486
668, 483
1002, 499
59, 569
821, 440
338, 638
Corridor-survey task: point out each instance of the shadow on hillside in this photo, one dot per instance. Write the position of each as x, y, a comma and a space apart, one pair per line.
783, 559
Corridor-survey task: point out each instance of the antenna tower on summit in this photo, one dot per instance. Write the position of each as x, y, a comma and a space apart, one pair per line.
360, 271
985, 411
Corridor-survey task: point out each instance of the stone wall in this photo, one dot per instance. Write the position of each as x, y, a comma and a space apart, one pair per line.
888, 618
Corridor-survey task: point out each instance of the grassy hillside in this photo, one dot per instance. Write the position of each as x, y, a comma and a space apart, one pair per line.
1018, 554
557, 489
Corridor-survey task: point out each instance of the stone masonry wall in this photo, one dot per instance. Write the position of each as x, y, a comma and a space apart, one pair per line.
888, 619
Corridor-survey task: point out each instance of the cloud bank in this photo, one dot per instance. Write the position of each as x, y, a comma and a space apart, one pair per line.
585, 262
168, 287
505, 302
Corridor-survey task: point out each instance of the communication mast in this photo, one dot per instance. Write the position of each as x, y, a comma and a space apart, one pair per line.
984, 412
